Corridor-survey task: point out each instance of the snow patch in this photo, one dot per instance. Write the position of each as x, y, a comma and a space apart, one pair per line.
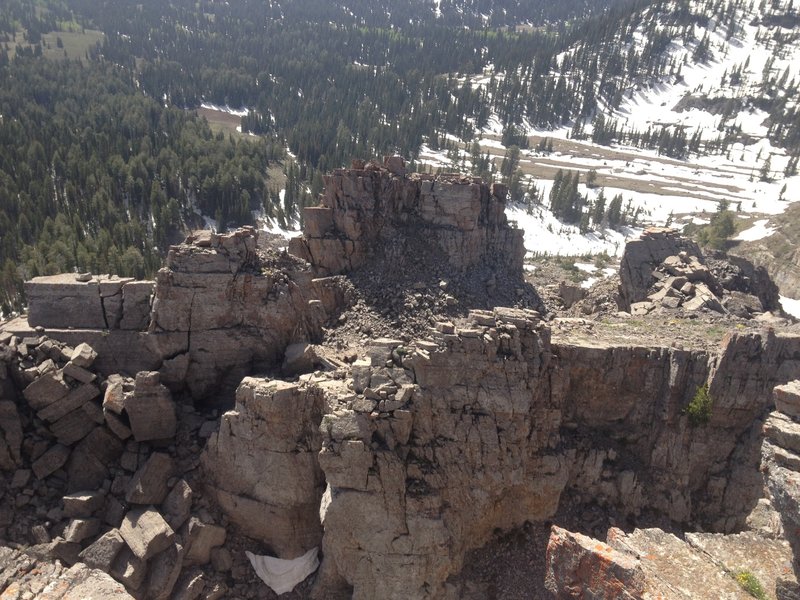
790, 306
236, 112
758, 231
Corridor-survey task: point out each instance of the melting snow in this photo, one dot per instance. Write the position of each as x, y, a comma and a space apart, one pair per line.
790, 306
237, 112
758, 231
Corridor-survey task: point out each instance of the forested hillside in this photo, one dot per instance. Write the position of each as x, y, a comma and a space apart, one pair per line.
104, 161
94, 176
101, 164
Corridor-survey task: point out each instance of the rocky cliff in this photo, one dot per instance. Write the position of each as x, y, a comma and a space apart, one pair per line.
371, 209
428, 447
395, 456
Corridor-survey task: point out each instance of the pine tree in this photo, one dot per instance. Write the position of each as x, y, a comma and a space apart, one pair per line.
599, 209
614, 215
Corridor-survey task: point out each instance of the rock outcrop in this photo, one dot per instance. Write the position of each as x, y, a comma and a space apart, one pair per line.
781, 467
236, 310
371, 208
650, 563
88, 302
665, 270
262, 465
397, 455
427, 447
645, 254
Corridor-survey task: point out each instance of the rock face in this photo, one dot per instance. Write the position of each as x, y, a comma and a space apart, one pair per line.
370, 208
429, 446
102, 302
237, 313
781, 464
263, 468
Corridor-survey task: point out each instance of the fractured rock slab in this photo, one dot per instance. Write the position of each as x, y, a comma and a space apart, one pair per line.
102, 552
49, 462
149, 483
146, 532
151, 409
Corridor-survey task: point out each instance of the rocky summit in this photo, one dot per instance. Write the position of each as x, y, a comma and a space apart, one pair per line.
388, 410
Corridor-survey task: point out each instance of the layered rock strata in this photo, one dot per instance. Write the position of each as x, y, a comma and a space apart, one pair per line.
428, 447
370, 208
781, 468
87, 302
237, 310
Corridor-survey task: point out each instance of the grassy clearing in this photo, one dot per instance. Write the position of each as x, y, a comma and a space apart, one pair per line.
221, 121
545, 167
75, 43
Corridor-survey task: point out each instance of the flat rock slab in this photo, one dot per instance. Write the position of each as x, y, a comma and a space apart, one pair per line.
61, 301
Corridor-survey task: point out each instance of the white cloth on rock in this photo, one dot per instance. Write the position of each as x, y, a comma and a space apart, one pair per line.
283, 575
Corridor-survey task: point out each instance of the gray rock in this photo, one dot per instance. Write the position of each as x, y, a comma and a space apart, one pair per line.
164, 572
150, 409
40, 534
89, 465
83, 504
129, 569
20, 479
74, 400
10, 436
149, 484
146, 532
46, 390
83, 356
113, 512
49, 462
116, 425
202, 539
78, 373
72, 427
79, 530
178, 504
102, 552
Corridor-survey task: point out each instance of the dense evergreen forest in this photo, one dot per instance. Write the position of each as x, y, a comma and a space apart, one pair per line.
101, 164
95, 176
102, 161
